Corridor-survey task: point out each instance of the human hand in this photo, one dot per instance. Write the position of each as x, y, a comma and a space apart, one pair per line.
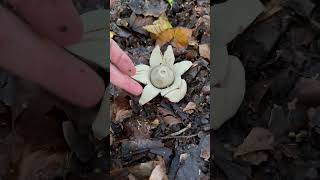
26, 51
121, 67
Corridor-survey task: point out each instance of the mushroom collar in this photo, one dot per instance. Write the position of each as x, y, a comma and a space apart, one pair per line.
162, 76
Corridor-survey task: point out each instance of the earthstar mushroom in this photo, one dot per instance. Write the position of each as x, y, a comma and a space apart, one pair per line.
162, 76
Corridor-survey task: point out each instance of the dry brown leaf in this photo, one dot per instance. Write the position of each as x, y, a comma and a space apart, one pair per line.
142, 170
165, 37
165, 112
122, 114
121, 109
137, 23
171, 120
154, 170
204, 51
179, 36
182, 36
159, 172
259, 139
131, 177
190, 107
255, 158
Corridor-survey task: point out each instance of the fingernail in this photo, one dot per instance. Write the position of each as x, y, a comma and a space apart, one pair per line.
132, 72
138, 88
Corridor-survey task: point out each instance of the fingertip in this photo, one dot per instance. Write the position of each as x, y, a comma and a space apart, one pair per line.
132, 72
136, 88
124, 82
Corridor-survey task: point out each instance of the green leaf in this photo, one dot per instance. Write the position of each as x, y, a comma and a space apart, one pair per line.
229, 96
170, 2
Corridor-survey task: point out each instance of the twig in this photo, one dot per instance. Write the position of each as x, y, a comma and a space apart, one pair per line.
177, 137
181, 131
175, 134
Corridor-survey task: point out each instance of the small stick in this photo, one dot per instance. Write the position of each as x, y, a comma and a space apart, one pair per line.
177, 137
181, 131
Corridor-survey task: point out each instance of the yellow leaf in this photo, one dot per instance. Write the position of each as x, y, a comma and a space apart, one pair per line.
111, 34
159, 25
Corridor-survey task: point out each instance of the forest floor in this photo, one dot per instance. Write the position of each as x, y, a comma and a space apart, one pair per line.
162, 136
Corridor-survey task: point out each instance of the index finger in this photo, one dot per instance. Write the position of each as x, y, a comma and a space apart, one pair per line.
121, 59
57, 20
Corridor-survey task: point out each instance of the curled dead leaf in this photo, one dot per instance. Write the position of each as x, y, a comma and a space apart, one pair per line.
123, 114
159, 172
182, 36
171, 120
178, 36
190, 107
159, 25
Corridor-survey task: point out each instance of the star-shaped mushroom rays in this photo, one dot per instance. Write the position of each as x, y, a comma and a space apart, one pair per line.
162, 76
